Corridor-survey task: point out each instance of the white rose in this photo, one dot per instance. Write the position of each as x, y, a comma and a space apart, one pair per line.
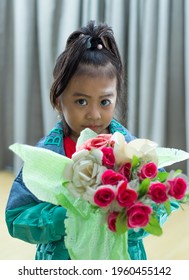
141, 148
119, 147
87, 170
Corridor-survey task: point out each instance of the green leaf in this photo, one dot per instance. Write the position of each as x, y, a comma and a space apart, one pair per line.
185, 199
162, 176
153, 226
121, 223
143, 187
177, 172
167, 206
135, 162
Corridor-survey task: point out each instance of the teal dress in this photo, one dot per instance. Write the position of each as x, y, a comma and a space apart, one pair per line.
42, 223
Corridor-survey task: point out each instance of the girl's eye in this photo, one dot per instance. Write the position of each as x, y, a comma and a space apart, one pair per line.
81, 102
105, 102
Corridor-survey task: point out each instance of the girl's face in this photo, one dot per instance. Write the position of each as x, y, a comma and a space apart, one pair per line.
88, 102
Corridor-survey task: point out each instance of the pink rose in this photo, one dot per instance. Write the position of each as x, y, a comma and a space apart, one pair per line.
149, 170
138, 215
104, 195
112, 221
108, 158
125, 197
110, 177
177, 187
100, 141
125, 170
158, 192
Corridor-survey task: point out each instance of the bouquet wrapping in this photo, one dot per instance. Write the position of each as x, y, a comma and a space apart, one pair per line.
108, 187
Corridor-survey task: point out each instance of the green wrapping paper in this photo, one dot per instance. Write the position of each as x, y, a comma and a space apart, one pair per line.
88, 237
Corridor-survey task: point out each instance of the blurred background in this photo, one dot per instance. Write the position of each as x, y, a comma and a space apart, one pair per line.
153, 38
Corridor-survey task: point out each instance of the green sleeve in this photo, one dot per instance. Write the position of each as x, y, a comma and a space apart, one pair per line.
36, 223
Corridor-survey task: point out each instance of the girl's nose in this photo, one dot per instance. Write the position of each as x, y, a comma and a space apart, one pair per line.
93, 113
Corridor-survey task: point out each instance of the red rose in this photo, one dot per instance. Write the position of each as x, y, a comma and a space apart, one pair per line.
104, 195
112, 221
149, 170
108, 158
125, 197
177, 187
158, 192
100, 141
138, 215
110, 177
125, 170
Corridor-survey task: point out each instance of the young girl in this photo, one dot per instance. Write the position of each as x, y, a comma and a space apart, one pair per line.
88, 82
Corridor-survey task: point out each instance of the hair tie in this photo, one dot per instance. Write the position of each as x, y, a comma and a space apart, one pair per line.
99, 46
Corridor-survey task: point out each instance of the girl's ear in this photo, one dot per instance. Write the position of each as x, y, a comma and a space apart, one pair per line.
58, 106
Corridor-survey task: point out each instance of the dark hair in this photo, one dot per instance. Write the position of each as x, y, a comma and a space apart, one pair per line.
81, 53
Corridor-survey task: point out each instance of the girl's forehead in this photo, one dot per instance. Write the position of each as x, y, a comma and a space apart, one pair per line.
88, 83
106, 71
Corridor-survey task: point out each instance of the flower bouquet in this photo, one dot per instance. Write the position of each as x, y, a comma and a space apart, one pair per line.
108, 187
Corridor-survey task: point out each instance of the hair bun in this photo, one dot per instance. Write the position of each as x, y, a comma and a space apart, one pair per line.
95, 43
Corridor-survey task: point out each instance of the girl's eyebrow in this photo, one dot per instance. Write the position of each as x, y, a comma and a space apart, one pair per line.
78, 94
